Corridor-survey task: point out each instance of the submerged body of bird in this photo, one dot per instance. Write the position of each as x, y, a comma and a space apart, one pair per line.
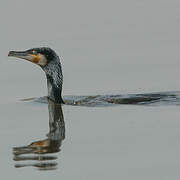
50, 63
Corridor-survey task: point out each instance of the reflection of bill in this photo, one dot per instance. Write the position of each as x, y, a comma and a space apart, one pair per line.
39, 149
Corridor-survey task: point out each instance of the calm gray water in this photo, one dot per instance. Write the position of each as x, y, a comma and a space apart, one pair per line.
106, 47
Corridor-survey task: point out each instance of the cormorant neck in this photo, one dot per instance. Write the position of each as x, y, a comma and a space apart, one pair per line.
54, 91
54, 77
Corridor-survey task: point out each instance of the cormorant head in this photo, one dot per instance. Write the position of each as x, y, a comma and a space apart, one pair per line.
40, 56
49, 61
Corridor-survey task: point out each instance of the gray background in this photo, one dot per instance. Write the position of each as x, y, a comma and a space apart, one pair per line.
107, 47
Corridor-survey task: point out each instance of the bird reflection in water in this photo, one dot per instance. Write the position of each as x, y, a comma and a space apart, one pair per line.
37, 151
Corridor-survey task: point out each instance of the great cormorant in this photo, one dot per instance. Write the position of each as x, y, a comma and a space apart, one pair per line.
50, 63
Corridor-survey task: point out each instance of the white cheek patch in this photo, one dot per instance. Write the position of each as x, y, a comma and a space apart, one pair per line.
42, 60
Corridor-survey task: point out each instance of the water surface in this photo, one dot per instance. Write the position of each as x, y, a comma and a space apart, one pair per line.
107, 48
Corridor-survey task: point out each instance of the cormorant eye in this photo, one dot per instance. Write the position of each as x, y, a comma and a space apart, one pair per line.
34, 52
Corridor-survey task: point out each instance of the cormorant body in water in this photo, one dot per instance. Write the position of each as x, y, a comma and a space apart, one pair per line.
50, 63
